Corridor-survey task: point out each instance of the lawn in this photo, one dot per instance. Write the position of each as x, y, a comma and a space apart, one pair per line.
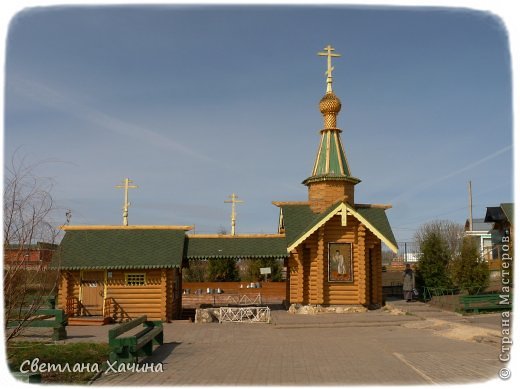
77, 355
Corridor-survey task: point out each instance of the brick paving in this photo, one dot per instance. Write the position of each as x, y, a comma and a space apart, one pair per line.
374, 347
327, 349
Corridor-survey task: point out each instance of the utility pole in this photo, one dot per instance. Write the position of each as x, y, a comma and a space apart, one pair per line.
470, 207
234, 200
126, 185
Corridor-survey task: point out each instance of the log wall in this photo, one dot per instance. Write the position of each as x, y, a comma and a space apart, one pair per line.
155, 299
150, 299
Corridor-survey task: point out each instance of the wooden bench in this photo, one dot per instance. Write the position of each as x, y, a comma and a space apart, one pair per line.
483, 302
127, 349
40, 318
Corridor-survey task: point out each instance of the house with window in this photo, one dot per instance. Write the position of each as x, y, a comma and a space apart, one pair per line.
117, 272
502, 220
481, 232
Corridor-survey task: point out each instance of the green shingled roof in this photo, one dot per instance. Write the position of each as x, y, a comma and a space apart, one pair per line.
377, 218
120, 249
299, 219
236, 247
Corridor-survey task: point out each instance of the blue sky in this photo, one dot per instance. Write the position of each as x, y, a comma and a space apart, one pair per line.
196, 102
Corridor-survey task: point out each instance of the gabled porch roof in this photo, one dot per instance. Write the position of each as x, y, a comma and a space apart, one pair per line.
300, 222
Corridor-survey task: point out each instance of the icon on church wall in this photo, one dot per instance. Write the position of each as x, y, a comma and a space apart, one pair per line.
340, 262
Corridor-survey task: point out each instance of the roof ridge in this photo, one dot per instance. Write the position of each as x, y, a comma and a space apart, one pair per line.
282, 203
219, 236
120, 227
383, 206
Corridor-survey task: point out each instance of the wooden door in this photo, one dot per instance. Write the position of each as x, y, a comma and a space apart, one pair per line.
92, 290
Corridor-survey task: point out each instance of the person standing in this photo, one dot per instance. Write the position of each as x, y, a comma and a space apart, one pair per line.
408, 283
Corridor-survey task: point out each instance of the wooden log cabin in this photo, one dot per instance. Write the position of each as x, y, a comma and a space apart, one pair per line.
121, 272
334, 243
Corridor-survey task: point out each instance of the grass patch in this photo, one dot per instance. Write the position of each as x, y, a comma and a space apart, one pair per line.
71, 353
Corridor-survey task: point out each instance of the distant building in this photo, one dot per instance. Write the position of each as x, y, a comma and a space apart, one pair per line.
481, 230
31, 257
502, 220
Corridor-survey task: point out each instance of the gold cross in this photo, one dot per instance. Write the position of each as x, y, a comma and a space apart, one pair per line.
329, 54
126, 203
234, 200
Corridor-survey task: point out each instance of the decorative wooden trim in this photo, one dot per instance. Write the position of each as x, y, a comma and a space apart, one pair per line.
164, 295
374, 230
105, 289
318, 154
338, 151
350, 211
93, 227
80, 289
315, 227
327, 159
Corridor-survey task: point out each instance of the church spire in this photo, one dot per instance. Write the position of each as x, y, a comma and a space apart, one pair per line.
331, 179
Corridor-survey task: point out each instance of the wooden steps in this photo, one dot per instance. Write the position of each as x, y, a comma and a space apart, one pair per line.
89, 321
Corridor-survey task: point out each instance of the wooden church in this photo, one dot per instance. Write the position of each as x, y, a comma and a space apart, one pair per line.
334, 243
331, 246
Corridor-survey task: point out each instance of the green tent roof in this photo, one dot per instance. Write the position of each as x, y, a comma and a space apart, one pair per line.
331, 161
236, 247
120, 249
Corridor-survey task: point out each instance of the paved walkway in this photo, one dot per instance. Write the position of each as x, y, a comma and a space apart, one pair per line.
404, 343
378, 347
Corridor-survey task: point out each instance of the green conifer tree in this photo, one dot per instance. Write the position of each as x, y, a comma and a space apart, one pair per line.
432, 267
223, 270
468, 271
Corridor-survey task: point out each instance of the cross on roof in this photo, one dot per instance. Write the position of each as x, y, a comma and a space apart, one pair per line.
126, 185
234, 200
329, 54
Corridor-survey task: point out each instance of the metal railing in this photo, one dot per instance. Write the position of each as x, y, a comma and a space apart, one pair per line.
245, 314
217, 300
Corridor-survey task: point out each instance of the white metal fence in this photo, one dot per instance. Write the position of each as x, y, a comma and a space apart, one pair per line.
245, 314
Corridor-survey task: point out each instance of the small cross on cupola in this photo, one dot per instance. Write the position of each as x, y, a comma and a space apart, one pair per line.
329, 54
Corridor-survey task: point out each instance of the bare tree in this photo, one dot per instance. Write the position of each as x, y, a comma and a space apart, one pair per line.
28, 206
451, 233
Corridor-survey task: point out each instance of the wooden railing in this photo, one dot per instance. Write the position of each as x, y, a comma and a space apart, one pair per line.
73, 307
114, 311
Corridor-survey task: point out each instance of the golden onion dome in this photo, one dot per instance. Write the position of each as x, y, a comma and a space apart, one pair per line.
330, 103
